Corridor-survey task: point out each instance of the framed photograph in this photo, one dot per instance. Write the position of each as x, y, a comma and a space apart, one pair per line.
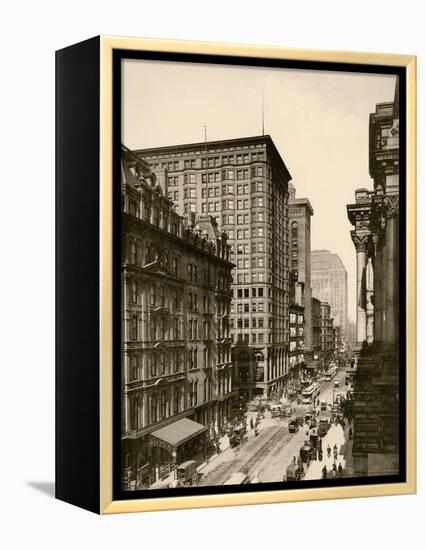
235, 274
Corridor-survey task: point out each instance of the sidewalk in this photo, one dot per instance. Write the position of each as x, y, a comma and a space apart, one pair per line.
346, 451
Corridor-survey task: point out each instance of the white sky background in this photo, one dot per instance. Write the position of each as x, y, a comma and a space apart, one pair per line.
318, 121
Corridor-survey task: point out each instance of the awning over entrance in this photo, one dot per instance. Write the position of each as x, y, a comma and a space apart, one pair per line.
173, 435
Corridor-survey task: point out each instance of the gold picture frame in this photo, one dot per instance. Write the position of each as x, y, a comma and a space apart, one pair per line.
107, 504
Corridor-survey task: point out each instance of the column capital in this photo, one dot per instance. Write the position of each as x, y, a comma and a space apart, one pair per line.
391, 205
360, 241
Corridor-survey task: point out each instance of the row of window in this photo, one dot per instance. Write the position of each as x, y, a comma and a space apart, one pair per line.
215, 177
226, 190
255, 292
209, 162
295, 318
244, 263
294, 332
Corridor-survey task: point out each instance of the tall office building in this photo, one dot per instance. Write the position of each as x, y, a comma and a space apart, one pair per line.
300, 212
243, 183
329, 280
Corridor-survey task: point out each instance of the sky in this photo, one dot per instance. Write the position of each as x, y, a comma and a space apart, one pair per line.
318, 121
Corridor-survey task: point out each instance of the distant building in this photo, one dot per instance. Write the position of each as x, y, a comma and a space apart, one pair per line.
243, 183
329, 281
300, 212
178, 383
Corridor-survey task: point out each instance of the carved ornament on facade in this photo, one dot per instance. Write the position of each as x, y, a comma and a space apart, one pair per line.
391, 205
360, 241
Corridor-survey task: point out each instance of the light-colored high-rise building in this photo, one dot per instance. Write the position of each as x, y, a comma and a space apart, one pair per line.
329, 281
243, 183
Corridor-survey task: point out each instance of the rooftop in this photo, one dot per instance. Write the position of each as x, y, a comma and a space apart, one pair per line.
218, 144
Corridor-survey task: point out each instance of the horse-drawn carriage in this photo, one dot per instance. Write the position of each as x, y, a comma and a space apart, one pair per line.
237, 435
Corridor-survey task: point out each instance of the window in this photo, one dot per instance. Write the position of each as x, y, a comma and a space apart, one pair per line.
134, 328
133, 292
231, 204
230, 174
133, 253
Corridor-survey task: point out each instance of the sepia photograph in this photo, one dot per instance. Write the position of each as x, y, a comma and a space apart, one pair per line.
261, 287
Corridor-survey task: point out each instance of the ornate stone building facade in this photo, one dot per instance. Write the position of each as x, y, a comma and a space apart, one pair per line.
375, 217
243, 183
178, 383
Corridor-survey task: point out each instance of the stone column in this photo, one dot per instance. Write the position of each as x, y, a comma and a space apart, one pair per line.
391, 203
369, 300
377, 266
360, 242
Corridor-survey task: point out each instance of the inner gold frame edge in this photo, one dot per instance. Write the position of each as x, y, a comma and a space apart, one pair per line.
107, 504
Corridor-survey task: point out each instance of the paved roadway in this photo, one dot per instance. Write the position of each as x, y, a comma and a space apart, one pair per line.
267, 456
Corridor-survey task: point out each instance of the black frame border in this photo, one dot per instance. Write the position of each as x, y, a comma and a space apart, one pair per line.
118, 56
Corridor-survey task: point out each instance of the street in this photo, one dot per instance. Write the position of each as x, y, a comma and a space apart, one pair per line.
265, 457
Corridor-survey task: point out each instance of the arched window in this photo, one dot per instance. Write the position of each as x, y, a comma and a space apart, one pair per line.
294, 230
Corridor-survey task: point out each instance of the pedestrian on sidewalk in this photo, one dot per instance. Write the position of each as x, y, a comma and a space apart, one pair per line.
251, 424
340, 469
